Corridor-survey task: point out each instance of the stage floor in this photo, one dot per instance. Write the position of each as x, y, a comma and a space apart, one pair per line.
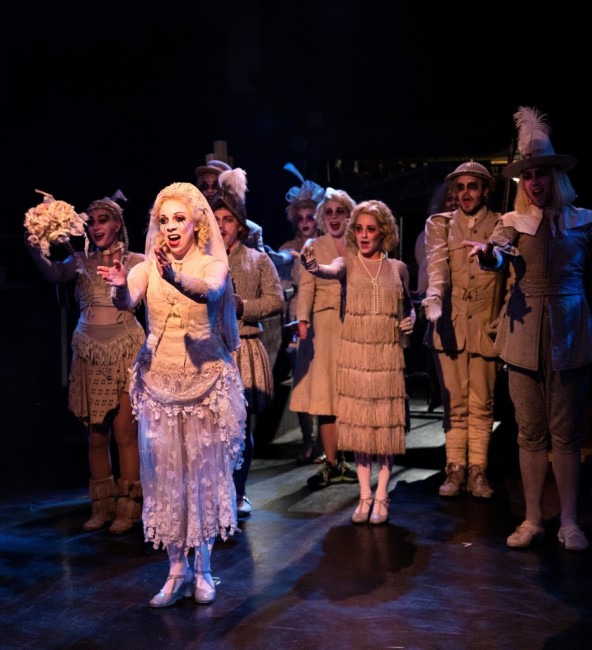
437, 575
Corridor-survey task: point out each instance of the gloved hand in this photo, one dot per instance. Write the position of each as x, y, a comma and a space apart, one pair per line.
278, 257
433, 308
308, 259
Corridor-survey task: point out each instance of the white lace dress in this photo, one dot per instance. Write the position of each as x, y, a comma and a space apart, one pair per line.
188, 397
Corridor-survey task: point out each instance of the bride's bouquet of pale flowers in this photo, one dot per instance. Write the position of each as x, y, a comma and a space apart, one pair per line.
53, 222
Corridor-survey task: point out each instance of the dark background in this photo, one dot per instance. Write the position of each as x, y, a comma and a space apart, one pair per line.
131, 94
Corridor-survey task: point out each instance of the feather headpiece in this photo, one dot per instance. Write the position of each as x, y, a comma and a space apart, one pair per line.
235, 181
534, 144
233, 188
308, 191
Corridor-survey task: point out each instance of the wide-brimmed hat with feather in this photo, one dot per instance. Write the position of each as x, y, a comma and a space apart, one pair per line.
534, 144
233, 188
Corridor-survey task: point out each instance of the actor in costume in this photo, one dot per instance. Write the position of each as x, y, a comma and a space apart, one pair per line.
258, 292
104, 345
545, 333
462, 302
371, 415
185, 387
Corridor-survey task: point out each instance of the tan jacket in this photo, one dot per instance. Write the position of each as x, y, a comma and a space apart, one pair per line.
471, 297
315, 294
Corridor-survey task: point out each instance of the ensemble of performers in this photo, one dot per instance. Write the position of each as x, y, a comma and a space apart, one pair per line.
179, 394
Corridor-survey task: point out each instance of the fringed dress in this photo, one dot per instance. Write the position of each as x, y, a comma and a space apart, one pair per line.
102, 355
370, 367
188, 397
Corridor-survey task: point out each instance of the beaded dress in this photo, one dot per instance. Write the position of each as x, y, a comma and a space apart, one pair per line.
370, 365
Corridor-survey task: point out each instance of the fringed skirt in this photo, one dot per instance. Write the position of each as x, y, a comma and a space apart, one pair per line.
101, 359
371, 391
256, 373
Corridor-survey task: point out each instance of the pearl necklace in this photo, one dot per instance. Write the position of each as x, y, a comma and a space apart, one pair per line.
374, 280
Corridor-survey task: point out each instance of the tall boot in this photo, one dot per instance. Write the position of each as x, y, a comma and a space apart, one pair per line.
102, 494
129, 506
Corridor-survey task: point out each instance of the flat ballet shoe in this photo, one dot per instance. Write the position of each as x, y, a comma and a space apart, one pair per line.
181, 588
573, 538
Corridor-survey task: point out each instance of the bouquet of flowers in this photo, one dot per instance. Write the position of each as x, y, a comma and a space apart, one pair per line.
53, 222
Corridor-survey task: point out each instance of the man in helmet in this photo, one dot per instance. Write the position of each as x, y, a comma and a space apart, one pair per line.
462, 301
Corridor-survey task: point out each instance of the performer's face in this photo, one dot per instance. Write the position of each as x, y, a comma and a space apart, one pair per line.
450, 202
538, 185
177, 227
368, 237
208, 185
306, 222
102, 228
471, 193
229, 227
336, 217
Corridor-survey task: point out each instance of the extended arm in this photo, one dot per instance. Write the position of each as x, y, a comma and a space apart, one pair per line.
333, 271
52, 271
438, 270
130, 288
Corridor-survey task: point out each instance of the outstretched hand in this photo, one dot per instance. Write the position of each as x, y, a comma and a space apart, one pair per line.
308, 259
164, 264
114, 276
483, 251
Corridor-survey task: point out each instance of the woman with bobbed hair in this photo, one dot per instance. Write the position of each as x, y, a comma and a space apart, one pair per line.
319, 315
371, 406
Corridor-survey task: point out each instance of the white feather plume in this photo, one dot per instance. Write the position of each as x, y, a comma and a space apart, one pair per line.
235, 181
118, 196
531, 125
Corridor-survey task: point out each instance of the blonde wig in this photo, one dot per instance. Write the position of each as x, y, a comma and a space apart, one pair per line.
339, 196
199, 212
562, 191
387, 224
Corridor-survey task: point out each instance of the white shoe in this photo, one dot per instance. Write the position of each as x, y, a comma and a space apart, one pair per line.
205, 588
243, 507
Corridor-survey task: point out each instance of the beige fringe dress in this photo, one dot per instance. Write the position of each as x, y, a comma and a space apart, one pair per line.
102, 355
370, 367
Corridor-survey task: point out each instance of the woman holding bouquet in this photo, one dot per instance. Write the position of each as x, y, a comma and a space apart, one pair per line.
104, 344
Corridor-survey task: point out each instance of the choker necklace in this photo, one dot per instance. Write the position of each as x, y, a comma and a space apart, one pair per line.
112, 250
374, 280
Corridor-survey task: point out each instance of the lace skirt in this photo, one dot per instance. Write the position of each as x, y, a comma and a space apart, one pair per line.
188, 453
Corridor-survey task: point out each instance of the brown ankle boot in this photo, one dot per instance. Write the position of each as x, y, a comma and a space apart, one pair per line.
455, 480
102, 494
129, 506
478, 484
